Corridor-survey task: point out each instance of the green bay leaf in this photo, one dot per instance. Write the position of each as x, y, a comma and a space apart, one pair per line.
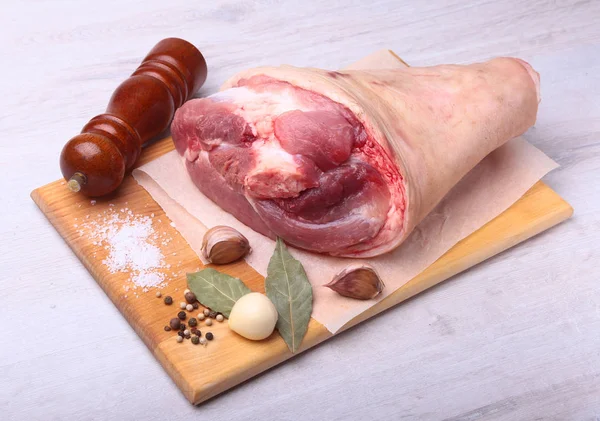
216, 290
287, 286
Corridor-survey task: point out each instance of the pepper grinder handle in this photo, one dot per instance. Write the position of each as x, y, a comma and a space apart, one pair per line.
95, 161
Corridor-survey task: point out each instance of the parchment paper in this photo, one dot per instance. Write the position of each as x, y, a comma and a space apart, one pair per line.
484, 193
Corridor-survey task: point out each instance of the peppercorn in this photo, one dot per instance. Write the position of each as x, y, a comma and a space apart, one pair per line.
189, 307
196, 305
181, 315
212, 314
175, 323
168, 328
186, 332
158, 294
182, 327
220, 318
206, 312
190, 297
202, 341
209, 336
182, 305
201, 316
186, 291
179, 339
193, 322
195, 340
180, 333
168, 300
188, 336
196, 332
208, 322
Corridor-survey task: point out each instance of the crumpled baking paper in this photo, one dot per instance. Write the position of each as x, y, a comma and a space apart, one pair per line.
484, 193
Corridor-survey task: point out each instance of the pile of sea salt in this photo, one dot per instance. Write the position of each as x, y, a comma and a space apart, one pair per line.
131, 243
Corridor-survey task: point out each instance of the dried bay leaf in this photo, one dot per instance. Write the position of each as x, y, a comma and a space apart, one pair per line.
216, 290
288, 288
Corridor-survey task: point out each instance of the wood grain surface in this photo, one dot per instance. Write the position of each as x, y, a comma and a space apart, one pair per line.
202, 373
511, 339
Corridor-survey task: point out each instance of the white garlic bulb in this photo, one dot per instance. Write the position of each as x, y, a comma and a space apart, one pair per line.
253, 316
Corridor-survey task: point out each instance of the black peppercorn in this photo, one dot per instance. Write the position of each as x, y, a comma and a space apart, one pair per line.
196, 332
193, 322
209, 336
181, 315
168, 300
196, 305
180, 333
188, 336
190, 297
168, 328
195, 340
175, 323
182, 326
212, 314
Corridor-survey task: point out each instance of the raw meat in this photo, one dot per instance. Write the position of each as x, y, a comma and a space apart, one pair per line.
348, 163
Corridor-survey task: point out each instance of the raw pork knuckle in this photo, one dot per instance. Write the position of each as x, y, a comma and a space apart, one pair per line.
348, 163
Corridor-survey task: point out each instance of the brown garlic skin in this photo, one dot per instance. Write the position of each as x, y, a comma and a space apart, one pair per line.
222, 245
359, 281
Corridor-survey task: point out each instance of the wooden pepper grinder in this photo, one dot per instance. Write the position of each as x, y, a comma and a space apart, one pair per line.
95, 161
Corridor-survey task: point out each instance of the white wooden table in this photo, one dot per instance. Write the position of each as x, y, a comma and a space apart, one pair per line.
517, 337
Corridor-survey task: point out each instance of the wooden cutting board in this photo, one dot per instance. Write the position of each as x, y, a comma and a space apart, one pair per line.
203, 372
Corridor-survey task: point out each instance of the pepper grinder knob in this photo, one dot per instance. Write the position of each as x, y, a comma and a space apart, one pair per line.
95, 161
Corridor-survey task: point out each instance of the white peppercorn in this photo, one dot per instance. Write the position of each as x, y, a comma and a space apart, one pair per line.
189, 307
206, 312
208, 322
202, 341
158, 294
182, 305
186, 332
179, 338
201, 316
220, 318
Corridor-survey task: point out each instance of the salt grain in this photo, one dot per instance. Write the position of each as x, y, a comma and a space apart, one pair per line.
126, 237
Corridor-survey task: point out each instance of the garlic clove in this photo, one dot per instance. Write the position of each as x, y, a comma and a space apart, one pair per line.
359, 281
222, 245
253, 316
